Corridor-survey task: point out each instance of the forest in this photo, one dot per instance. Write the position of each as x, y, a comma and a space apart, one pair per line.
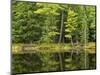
61, 35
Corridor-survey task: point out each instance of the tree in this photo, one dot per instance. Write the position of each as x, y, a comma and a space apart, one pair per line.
71, 24
25, 26
50, 21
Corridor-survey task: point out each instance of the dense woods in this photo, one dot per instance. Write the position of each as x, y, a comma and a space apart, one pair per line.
52, 23
47, 26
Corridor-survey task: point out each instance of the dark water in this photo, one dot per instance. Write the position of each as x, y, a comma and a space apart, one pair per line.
49, 62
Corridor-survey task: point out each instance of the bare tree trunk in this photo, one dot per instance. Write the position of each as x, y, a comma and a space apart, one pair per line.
62, 27
61, 38
84, 36
85, 39
72, 47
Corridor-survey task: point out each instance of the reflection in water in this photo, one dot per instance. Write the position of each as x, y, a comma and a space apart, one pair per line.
46, 62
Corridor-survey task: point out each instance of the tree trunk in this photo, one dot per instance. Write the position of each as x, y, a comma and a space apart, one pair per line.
61, 27
61, 38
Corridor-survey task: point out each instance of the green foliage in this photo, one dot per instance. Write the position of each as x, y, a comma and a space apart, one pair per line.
44, 8
71, 23
40, 22
46, 23
25, 26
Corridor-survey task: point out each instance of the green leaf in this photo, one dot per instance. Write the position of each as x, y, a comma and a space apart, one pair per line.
68, 36
67, 30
